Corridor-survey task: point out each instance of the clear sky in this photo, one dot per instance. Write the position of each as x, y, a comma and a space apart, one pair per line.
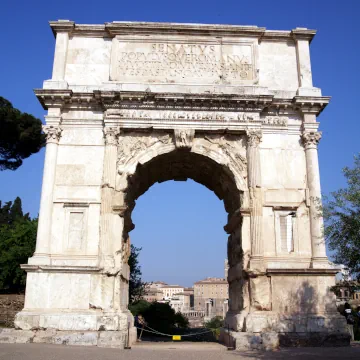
179, 225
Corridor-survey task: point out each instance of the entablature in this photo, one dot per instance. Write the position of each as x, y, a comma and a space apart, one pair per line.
137, 100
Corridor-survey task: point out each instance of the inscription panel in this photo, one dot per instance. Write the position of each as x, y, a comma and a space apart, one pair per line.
183, 61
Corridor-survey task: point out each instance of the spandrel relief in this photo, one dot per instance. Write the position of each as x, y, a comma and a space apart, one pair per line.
132, 144
232, 146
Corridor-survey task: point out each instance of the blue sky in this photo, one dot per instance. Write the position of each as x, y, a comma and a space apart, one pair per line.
179, 225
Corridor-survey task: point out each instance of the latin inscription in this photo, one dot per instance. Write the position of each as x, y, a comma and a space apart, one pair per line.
170, 62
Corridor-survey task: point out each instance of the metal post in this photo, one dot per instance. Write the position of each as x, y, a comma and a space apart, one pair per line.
128, 347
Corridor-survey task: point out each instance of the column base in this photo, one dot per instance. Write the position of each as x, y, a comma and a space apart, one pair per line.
320, 263
39, 259
267, 330
273, 340
72, 320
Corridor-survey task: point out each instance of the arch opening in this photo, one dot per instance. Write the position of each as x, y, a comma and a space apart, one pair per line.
216, 174
180, 165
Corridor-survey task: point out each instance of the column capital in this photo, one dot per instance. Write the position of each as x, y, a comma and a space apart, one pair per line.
111, 135
254, 137
53, 133
311, 139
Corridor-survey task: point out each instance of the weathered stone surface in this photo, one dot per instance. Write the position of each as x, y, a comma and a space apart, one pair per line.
270, 340
75, 338
260, 293
10, 336
44, 336
231, 107
113, 339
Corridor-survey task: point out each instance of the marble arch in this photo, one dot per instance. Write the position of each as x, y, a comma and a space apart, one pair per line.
133, 103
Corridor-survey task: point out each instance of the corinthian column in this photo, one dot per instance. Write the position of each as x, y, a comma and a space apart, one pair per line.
310, 141
109, 175
41, 255
255, 193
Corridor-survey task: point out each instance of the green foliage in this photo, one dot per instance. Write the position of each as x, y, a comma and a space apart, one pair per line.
215, 324
139, 307
181, 321
20, 136
342, 220
136, 286
17, 243
162, 317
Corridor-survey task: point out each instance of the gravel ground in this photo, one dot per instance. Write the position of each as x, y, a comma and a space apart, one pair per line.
167, 351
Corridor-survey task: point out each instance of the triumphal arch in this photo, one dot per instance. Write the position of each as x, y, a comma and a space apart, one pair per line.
232, 107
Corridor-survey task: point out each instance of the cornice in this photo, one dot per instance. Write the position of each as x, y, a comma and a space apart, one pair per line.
311, 104
303, 34
124, 27
62, 26
115, 28
178, 101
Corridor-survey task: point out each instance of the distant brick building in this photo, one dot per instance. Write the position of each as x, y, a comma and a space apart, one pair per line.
170, 290
211, 295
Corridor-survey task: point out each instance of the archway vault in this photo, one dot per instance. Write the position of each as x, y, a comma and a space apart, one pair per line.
217, 161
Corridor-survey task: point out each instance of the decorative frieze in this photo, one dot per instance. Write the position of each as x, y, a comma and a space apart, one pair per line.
275, 120
181, 115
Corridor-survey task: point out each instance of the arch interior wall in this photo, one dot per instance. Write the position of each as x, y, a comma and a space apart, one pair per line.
232, 107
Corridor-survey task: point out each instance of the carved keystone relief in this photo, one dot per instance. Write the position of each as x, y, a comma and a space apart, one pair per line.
175, 60
184, 138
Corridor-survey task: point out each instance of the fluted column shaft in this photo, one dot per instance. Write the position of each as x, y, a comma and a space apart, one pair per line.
46, 203
255, 191
310, 141
108, 186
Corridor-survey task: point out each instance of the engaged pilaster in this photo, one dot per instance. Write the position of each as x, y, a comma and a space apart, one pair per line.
255, 193
42, 251
109, 175
310, 140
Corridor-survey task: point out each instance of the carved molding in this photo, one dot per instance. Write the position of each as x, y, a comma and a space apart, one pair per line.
184, 138
111, 135
52, 133
254, 137
311, 139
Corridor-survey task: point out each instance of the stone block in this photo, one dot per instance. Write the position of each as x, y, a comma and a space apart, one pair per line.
75, 338
242, 340
12, 336
112, 339
44, 336
270, 340
260, 293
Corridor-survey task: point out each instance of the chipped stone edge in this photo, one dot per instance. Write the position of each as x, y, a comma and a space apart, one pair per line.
110, 339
